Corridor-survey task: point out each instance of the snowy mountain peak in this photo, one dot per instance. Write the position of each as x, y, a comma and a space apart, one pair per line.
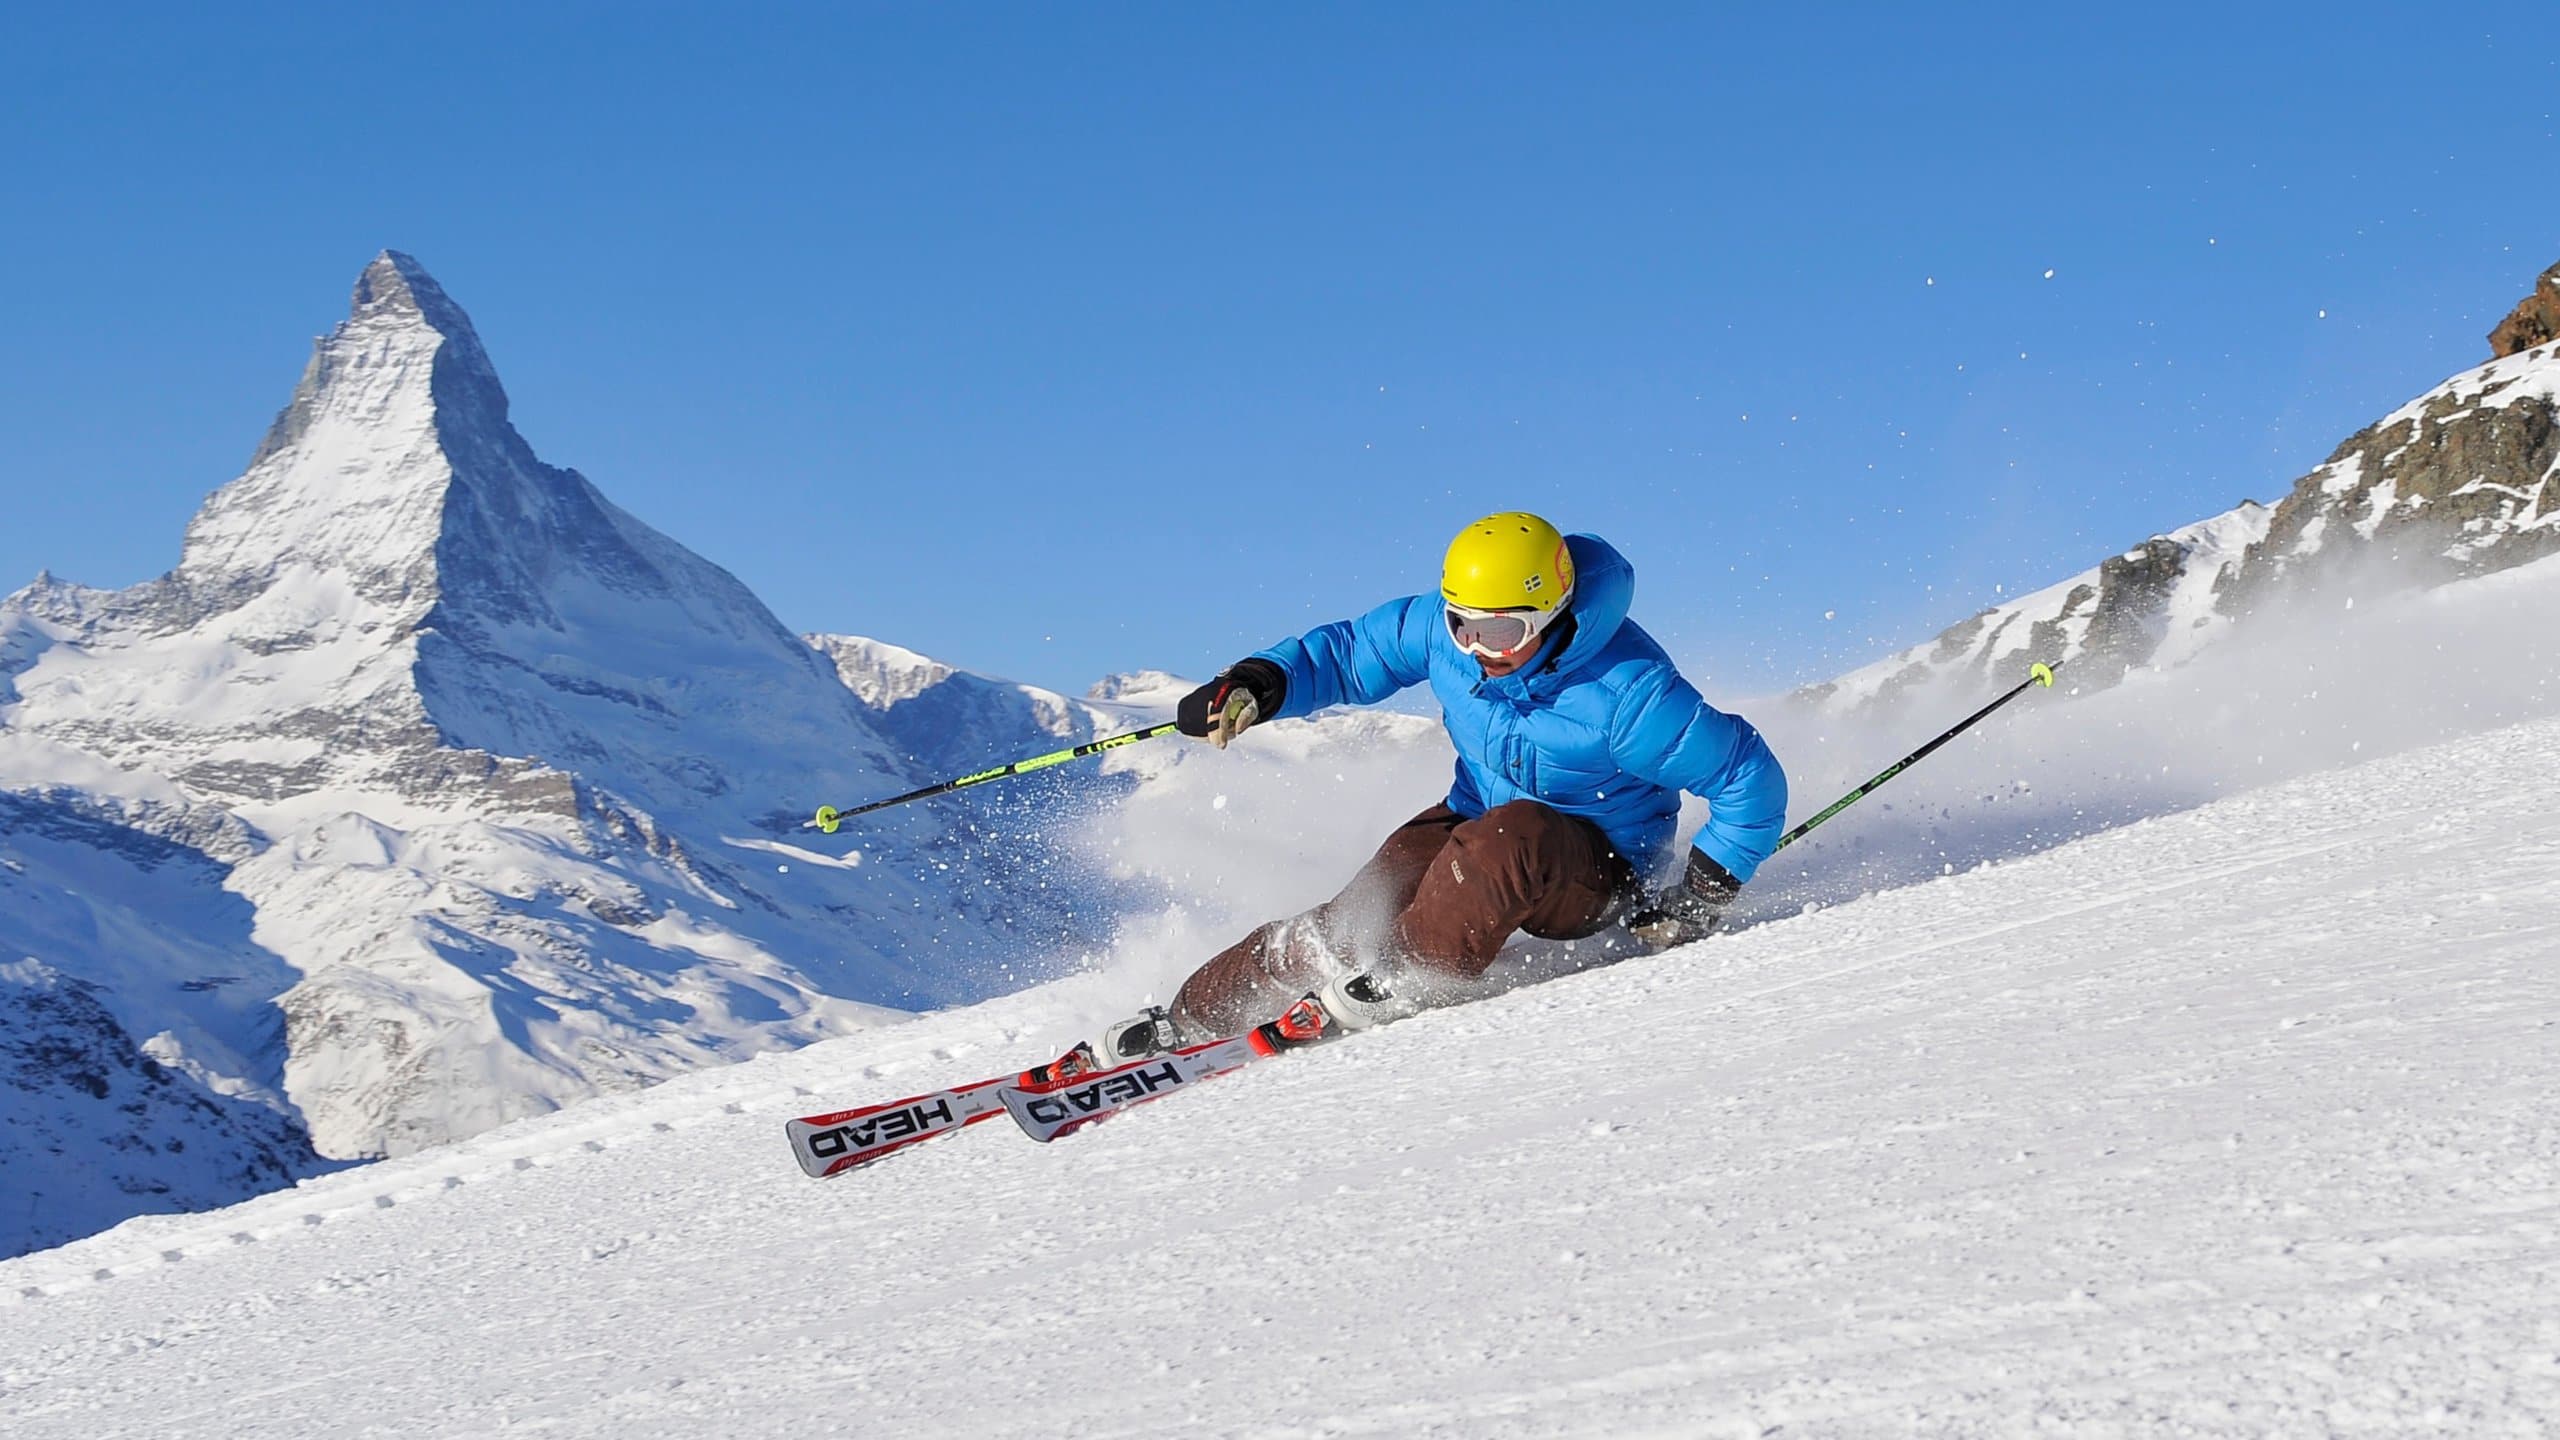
394, 291
50, 597
946, 718
1139, 687
395, 287
351, 476
396, 281
880, 673
392, 499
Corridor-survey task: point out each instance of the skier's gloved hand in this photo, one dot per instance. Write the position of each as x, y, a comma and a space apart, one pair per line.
1226, 707
1689, 910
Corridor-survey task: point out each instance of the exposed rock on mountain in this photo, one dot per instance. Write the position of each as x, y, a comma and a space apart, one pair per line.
2534, 321
2155, 604
2463, 480
96, 1130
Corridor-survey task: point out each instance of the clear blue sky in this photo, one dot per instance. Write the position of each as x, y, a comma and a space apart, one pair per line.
1059, 339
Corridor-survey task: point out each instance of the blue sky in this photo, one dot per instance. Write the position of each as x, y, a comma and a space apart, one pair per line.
1055, 340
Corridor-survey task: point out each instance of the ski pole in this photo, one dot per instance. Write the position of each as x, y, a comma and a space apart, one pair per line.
2036, 675
829, 817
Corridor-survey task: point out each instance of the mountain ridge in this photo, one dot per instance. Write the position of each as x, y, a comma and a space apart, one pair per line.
2463, 480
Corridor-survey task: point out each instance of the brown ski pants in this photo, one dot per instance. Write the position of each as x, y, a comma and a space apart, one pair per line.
1437, 901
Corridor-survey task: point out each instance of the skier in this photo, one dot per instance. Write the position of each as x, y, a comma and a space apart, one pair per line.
1575, 738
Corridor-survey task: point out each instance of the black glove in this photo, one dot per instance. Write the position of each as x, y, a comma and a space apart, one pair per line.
1224, 708
1689, 910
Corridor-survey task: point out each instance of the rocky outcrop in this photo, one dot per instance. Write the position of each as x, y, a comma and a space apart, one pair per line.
2154, 604
2535, 321
2462, 481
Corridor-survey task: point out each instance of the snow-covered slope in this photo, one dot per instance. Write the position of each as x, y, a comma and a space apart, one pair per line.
150, 1078
2231, 1122
97, 1129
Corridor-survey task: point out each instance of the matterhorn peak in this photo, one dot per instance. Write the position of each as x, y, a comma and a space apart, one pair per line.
352, 479
396, 289
402, 331
393, 497
397, 279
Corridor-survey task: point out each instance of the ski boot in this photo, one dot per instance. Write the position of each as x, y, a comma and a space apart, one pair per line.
1149, 1032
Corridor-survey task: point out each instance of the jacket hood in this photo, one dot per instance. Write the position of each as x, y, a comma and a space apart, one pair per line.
1604, 586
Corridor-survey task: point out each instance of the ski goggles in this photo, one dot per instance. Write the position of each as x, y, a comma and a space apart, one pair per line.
1497, 634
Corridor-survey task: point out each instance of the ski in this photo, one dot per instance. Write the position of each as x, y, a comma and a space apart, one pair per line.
1047, 1101
842, 1140
833, 1143
1063, 1104
1047, 1113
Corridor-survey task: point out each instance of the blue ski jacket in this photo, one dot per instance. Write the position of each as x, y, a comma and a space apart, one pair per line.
1605, 729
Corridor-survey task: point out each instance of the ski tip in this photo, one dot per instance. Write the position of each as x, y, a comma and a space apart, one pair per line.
2041, 673
798, 1132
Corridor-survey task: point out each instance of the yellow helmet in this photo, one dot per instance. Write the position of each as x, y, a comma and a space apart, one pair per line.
1510, 561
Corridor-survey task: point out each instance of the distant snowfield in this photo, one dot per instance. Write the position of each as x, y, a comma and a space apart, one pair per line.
2235, 1121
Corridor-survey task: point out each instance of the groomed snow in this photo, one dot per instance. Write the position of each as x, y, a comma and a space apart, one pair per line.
2230, 1122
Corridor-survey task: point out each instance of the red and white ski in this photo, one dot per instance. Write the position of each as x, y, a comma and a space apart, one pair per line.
1047, 1101
1045, 1113
1065, 1104
842, 1140
834, 1143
